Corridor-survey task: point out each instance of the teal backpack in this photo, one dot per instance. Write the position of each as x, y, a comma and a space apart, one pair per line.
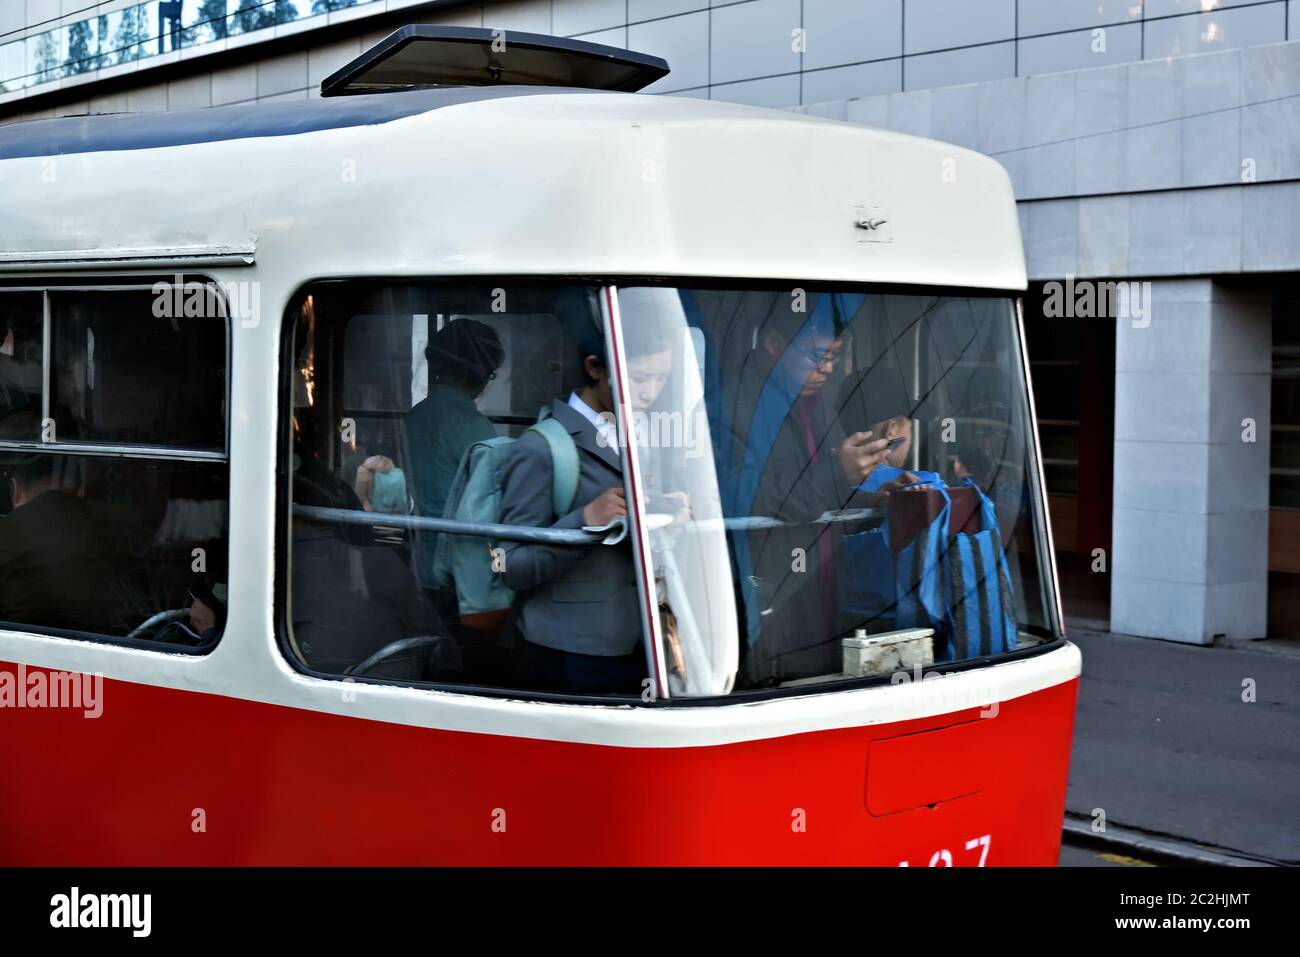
466, 561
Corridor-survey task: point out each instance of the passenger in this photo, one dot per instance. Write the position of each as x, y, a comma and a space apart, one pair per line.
578, 609
57, 566
877, 401
800, 465
310, 464
976, 462
348, 600
381, 486
310, 460
207, 608
463, 357
979, 454
883, 585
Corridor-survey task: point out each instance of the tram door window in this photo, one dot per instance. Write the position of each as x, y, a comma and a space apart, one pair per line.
113, 461
392, 384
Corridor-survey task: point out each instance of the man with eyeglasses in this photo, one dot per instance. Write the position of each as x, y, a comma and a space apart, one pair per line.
797, 464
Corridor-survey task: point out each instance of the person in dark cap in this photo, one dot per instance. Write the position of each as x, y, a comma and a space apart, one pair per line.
463, 357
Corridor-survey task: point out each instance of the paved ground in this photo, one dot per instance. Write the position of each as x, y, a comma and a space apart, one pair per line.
1095, 857
1165, 744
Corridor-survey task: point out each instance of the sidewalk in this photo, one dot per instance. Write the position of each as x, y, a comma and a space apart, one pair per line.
1165, 745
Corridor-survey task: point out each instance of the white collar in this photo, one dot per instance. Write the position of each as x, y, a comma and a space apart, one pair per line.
604, 425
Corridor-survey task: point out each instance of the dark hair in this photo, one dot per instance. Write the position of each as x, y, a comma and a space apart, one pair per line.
30, 470
647, 341
316, 485
976, 459
465, 352
21, 325
824, 312
877, 394
979, 445
35, 468
591, 342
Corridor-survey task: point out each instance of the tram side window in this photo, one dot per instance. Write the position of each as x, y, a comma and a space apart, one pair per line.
392, 386
113, 466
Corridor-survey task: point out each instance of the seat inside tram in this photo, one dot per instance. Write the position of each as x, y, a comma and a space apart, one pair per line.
819, 469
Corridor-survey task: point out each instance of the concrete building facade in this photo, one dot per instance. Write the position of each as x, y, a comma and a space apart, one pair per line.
1151, 142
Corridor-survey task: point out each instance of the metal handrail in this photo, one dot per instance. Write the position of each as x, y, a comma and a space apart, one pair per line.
607, 535
755, 522
610, 534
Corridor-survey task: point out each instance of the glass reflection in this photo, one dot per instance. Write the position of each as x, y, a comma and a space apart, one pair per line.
827, 466
144, 30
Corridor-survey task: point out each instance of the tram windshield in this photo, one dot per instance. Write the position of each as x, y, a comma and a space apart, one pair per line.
829, 472
831, 484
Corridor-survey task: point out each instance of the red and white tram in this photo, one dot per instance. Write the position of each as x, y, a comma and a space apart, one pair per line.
234, 390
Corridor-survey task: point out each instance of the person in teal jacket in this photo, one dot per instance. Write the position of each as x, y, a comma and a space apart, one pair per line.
463, 358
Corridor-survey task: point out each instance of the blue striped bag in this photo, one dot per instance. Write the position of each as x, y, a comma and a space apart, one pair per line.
884, 591
918, 573
979, 608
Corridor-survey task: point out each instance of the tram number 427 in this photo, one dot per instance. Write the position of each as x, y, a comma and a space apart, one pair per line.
943, 856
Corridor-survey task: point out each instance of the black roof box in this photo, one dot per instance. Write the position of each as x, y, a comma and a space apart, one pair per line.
420, 56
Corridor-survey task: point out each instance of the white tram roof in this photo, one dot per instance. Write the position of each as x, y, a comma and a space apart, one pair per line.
509, 180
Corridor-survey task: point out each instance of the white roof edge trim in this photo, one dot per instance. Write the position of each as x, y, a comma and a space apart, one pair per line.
75, 259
